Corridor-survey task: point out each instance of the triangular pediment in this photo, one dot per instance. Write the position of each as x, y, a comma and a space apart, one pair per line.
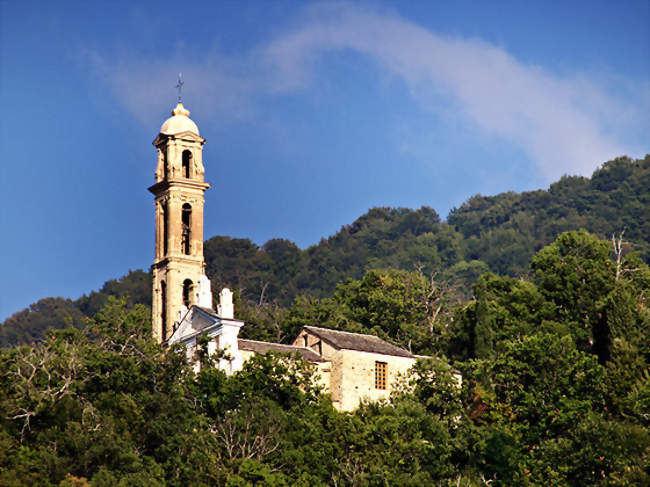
194, 321
198, 321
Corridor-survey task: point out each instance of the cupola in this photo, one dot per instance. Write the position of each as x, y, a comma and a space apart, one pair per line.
179, 122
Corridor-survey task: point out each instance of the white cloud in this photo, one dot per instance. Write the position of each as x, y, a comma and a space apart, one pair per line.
558, 122
220, 87
562, 123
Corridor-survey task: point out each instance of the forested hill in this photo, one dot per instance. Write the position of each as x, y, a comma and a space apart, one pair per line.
505, 230
499, 233
555, 389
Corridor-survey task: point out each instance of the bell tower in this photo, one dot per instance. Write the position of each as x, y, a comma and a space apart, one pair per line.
178, 269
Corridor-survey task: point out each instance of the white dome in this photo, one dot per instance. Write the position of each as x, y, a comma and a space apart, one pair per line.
179, 122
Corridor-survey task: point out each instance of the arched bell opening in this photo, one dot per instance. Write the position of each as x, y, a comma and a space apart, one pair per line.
187, 292
165, 232
186, 222
186, 163
163, 309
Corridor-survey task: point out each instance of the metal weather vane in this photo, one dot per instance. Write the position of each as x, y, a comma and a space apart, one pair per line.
179, 85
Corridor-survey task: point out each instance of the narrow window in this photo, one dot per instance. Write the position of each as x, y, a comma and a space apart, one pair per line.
186, 220
380, 375
165, 163
187, 159
163, 310
187, 292
304, 337
165, 235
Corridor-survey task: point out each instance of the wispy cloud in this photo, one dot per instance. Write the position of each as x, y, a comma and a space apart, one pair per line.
565, 124
142, 84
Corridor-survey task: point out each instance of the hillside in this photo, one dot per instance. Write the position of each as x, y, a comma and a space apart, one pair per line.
499, 233
505, 230
555, 391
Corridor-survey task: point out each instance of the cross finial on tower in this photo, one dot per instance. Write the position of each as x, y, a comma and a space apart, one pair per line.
179, 85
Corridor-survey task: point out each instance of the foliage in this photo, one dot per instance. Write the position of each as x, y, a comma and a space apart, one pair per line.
538, 404
405, 308
106, 404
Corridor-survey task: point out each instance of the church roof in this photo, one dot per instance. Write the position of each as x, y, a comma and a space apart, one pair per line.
357, 341
263, 347
179, 122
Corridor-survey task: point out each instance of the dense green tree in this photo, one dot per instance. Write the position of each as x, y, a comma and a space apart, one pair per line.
626, 313
32, 324
462, 275
544, 384
537, 404
504, 308
596, 451
534, 395
435, 385
109, 404
576, 273
389, 303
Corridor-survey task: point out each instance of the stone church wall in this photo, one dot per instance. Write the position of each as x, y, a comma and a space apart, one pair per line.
355, 377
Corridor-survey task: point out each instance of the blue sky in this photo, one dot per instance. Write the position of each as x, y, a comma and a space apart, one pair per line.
313, 113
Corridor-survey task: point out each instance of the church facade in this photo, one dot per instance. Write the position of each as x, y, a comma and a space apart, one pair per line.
351, 367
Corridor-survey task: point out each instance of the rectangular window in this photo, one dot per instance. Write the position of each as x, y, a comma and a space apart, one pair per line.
380, 375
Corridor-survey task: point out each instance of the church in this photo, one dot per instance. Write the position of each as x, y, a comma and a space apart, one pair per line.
351, 367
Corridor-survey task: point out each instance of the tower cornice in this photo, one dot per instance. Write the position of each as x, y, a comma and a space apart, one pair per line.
162, 186
186, 136
177, 259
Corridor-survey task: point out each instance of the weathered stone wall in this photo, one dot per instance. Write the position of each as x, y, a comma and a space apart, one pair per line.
352, 375
357, 376
246, 355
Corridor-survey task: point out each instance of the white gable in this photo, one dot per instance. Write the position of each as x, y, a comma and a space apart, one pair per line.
221, 332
